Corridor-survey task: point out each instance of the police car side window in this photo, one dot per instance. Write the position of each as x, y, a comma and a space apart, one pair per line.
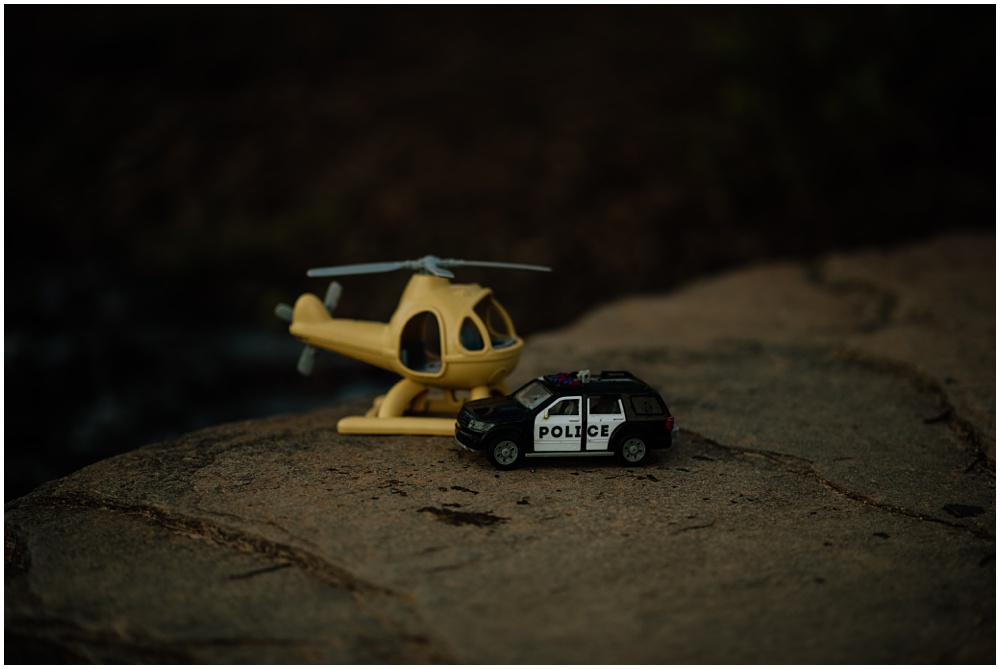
564, 408
604, 404
646, 405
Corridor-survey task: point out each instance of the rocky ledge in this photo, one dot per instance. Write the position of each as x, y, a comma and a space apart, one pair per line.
831, 500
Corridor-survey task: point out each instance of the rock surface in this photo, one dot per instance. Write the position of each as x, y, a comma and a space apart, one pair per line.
831, 500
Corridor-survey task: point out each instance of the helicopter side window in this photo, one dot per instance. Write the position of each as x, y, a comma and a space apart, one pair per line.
470, 337
420, 344
497, 322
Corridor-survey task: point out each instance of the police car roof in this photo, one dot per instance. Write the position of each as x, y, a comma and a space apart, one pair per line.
608, 382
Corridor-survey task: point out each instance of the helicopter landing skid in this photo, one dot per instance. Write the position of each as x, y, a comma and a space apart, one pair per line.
412, 408
419, 425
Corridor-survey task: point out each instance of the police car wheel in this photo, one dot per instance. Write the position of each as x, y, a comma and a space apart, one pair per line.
632, 449
504, 453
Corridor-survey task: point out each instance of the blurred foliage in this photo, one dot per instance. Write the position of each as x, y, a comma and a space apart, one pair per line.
172, 171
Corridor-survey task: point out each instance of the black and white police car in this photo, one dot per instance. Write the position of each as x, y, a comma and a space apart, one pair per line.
568, 414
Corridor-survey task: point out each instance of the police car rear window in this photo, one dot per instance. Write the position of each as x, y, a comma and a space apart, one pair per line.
646, 405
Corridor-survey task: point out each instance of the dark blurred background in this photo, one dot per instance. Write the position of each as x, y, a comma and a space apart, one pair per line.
172, 171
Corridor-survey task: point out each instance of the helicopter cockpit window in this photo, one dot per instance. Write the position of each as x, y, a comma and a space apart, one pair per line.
497, 322
470, 337
420, 344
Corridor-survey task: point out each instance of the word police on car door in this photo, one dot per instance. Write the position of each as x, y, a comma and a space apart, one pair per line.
572, 424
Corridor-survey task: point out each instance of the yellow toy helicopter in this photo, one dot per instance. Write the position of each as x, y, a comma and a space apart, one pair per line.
451, 343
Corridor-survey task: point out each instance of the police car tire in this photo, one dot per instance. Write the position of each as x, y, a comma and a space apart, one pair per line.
632, 449
504, 452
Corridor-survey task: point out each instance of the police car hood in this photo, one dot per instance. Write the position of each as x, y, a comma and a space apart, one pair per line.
496, 409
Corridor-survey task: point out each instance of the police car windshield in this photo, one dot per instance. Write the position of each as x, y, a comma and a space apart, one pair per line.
532, 395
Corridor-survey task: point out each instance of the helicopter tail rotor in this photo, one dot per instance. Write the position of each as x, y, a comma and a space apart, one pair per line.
332, 298
307, 359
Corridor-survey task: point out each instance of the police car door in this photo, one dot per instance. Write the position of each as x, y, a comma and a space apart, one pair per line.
560, 426
604, 414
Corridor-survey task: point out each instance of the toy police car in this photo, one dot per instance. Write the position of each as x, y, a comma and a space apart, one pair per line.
569, 414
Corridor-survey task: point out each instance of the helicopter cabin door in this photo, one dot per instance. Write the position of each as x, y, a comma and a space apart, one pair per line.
420, 344
560, 426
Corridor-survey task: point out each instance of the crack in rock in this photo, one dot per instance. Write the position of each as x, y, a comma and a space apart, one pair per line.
881, 303
45, 638
236, 539
964, 429
808, 468
74, 643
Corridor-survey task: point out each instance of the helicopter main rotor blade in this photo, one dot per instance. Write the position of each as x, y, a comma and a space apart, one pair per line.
454, 262
363, 268
432, 266
427, 265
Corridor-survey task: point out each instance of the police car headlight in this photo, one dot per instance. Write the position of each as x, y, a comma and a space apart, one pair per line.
479, 425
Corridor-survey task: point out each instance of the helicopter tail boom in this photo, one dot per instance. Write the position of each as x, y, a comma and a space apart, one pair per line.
362, 340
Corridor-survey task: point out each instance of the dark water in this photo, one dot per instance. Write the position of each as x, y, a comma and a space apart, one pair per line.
171, 172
